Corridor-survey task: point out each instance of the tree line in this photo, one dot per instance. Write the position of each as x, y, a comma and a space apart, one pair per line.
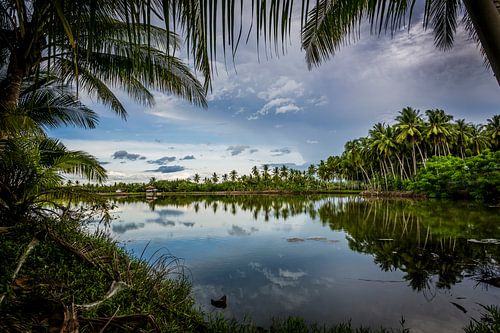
390, 156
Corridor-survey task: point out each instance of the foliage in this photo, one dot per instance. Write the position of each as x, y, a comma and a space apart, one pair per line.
291, 324
57, 275
390, 157
489, 321
448, 176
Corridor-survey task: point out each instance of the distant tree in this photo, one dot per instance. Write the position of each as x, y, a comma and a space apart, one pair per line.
196, 178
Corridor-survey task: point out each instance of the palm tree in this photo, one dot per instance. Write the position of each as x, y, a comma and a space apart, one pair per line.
196, 178
45, 104
478, 139
215, 178
492, 130
462, 136
233, 175
439, 130
284, 172
31, 172
383, 140
409, 125
94, 45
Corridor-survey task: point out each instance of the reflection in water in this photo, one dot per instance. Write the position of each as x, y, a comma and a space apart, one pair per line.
329, 259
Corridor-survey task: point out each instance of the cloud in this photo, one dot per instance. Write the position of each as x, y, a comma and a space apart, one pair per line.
301, 167
253, 150
124, 155
169, 212
121, 228
281, 151
187, 157
103, 163
284, 86
288, 108
163, 160
236, 150
284, 278
162, 222
239, 231
312, 142
168, 169
320, 101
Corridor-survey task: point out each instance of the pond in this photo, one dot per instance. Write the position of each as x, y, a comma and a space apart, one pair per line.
327, 259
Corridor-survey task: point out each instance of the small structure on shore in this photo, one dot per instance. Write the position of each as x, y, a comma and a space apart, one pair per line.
151, 191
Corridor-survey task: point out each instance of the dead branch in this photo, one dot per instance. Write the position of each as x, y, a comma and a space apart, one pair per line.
34, 242
134, 322
70, 323
113, 290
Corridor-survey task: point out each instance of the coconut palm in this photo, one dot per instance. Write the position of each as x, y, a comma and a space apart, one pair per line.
462, 136
233, 175
95, 46
439, 130
383, 140
478, 139
196, 178
492, 130
46, 103
32, 169
409, 125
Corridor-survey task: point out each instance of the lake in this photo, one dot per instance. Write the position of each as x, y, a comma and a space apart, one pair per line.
327, 259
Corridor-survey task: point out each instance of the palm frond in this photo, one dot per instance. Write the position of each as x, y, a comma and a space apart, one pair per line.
442, 15
52, 106
56, 158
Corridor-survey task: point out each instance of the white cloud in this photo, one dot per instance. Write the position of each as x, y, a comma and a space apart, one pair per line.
284, 86
288, 108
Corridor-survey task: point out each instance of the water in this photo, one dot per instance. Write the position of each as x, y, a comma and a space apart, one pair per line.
327, 259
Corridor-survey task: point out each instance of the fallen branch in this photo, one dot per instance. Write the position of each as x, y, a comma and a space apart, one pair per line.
133, 322
34, 242
4, 230
113, 290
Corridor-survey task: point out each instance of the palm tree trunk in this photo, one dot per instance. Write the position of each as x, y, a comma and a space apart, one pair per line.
10, 87
485, 17
414, 157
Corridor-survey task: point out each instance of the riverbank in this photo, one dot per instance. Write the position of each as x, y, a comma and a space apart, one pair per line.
392, 194
227, 193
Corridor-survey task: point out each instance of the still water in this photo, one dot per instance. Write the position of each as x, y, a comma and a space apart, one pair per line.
325, 258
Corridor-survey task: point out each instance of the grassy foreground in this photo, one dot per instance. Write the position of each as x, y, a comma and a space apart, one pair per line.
57, 277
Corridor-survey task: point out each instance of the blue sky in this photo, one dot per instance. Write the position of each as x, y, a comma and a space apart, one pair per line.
277, 111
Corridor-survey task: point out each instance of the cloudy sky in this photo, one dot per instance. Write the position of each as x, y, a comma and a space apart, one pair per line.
276, 111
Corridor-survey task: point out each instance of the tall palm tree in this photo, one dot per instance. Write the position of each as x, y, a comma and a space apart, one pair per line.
478, 140
439, 130
492, 130
462, 136
196, 178
409, 125
233, 175
95, 45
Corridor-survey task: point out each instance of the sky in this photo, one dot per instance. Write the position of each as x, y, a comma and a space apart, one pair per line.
276, 111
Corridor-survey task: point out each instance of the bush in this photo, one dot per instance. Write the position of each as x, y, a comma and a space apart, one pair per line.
448, 176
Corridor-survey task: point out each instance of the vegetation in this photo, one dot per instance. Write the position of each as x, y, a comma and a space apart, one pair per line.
411, 153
